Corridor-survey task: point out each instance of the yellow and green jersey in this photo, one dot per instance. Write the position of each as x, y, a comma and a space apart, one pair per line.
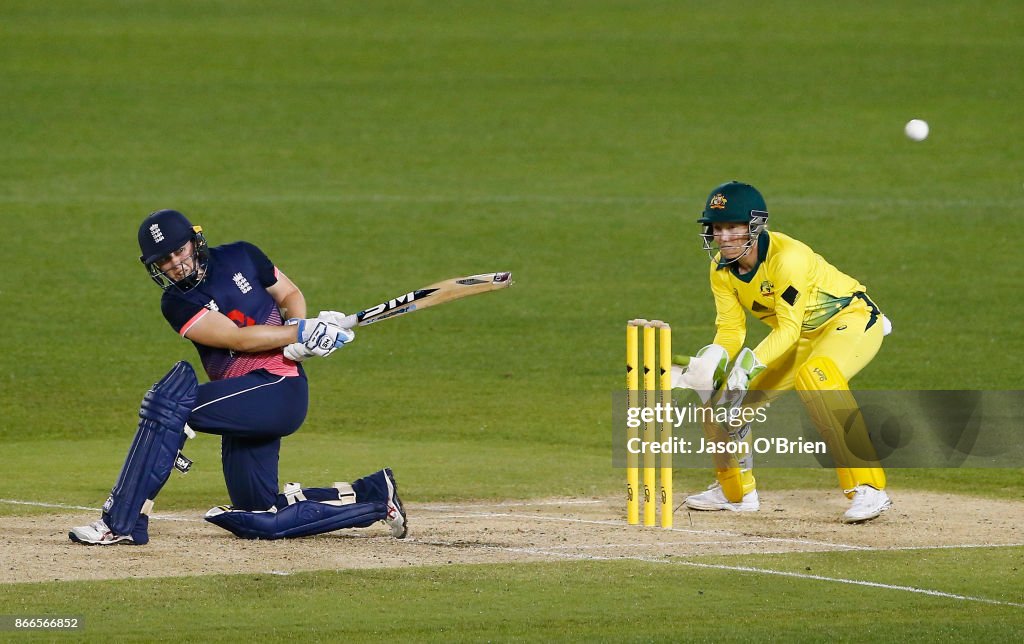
792, 289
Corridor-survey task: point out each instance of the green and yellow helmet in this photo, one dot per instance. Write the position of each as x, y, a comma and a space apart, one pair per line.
733, 202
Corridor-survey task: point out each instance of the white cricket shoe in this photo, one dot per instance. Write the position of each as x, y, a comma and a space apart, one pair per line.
867, 504
98, 534
396, 519
714, 499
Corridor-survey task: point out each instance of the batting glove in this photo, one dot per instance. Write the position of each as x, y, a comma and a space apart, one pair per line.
297, 352
340, 319
318, 338
333, 317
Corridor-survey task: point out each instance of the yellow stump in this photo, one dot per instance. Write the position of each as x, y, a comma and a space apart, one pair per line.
657, 389
632, 385
665, 384
650, 435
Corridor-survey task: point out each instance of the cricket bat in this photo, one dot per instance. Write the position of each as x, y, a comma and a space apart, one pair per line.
439, 293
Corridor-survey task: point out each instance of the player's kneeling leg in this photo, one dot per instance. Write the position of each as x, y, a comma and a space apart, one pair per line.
309, 511
300, 519
155, 450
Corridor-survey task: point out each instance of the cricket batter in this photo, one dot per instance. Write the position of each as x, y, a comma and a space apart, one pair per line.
824, 330
231, 301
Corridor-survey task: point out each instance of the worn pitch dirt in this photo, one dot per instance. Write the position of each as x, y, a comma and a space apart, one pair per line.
36, 548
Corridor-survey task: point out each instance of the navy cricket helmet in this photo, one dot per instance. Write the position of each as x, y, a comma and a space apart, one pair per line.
162, 233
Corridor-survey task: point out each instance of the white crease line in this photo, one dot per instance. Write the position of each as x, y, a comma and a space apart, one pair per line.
608, 522
760, 571
813, 542
48, 505
622, 524
62, 506
657, 544
950, 547
855, 582
510, 504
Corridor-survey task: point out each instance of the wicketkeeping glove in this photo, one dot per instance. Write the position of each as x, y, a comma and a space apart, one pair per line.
703, 372
746, 368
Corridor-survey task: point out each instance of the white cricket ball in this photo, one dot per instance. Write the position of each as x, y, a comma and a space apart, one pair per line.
916, 130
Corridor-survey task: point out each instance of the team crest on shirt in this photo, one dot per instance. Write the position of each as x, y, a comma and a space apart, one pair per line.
718, 202
241, 283
767, 288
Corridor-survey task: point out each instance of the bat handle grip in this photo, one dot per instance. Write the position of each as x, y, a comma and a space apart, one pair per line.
349, 321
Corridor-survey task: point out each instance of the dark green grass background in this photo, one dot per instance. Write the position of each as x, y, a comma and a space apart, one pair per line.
371, 148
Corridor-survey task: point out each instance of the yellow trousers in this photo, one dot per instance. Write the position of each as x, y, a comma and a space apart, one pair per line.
849, 340
846, 339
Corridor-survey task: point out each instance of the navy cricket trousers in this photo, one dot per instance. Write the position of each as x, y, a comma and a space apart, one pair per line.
251, 414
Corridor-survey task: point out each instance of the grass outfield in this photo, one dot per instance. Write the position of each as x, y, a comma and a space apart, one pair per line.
371, 148
834, 597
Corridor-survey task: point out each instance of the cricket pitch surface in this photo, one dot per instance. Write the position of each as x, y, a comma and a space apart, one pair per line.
36, 548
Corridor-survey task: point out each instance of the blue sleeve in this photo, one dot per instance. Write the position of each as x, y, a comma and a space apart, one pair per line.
264, 267
178, 311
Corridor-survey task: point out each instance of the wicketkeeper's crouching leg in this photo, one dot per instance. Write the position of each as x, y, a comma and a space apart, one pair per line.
303, 512
835, 412
155, 450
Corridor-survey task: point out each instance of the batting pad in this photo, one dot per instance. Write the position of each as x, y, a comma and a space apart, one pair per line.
835, 412
155, 448
300, 519
340, 494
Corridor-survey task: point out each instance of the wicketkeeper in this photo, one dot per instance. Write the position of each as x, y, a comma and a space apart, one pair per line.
232, 303
824, 330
